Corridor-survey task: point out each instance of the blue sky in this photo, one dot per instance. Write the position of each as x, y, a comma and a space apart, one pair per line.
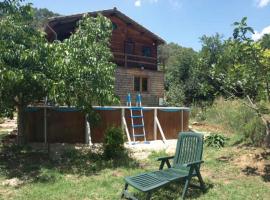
179, 21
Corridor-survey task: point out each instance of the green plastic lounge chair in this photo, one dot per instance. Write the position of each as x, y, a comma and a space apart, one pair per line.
186, 164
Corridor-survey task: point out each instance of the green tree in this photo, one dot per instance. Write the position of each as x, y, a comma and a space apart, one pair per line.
83, 62
77, 72
265, 41
178, 63
22, 59
246, 73
200, 87
41, 16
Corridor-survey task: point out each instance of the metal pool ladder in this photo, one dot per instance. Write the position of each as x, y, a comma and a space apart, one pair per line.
136, 113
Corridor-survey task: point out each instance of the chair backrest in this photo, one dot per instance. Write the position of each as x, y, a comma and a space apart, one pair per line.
189, 148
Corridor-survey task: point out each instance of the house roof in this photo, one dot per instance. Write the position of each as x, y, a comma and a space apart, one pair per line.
56, 22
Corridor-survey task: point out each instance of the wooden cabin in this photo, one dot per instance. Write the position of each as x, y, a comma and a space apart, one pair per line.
135, 53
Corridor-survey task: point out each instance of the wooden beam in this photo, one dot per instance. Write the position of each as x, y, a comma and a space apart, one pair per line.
87, 132
160, 130
155, 124
126, 129
182, 121
45, 125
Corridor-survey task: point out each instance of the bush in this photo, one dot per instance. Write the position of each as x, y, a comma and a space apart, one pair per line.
215, 140
113, 142
237, 118
175, 95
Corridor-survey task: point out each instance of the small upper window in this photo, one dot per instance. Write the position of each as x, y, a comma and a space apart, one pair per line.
146, 51
114, 26
129, 47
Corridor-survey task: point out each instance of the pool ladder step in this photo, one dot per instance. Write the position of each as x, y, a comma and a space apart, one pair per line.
136, 115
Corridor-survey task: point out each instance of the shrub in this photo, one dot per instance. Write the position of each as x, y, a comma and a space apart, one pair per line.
175, 95
215, 140
113, 142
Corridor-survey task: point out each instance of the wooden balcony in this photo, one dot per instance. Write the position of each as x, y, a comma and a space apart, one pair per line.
132, 60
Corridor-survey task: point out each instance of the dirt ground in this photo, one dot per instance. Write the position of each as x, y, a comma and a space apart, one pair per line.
8, 125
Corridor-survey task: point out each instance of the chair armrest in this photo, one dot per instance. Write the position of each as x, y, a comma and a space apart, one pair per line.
165, 158
193, 163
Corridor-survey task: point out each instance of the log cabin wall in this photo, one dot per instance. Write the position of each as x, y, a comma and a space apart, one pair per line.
126, 35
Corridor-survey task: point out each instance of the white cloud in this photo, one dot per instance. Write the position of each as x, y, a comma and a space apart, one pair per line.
138, 3
258, 35
175, 4
262, 3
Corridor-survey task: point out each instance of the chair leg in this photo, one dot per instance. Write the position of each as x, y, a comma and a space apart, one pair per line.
125, 189
202, 185
148, 196
186, 187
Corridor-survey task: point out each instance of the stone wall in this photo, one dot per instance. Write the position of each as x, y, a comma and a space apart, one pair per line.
124, 84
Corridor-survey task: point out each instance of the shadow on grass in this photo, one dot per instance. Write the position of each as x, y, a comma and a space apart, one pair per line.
88, 163
254, 171
36, 166
174, 191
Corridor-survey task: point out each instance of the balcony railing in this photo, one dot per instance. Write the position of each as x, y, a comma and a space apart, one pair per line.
131, 60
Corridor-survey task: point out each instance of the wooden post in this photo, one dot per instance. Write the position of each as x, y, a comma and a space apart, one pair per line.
126, 129
45, 125
155, 124
122, 116
160, 130
182, 123
87, 132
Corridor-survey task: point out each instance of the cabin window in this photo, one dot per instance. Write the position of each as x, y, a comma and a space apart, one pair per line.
146, 51
144, 84
137, 84
129, 47
140, 84
114, 26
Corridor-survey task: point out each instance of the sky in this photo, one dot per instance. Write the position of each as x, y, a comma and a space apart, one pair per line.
178, 21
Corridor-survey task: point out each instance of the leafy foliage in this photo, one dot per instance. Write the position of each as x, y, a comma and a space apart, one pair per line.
215, 140
175, 95
241, 70
41, 16
23, 56
83, 72
113, 142
76, 72
265, 41
178, 63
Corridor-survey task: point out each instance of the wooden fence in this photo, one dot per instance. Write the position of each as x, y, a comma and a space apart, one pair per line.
69, 125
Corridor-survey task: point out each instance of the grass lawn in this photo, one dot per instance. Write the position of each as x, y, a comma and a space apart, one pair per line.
232, 172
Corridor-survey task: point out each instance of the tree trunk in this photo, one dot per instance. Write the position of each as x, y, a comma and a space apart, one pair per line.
267, 136
21, 136
267, 91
